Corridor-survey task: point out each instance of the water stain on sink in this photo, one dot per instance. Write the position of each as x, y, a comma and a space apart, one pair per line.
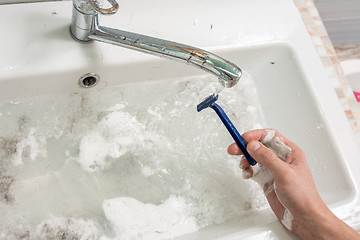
23, 122
7, 149
59, 232
5, 188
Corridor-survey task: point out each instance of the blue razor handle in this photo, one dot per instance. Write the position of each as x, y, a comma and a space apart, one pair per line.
234, 133
210, 102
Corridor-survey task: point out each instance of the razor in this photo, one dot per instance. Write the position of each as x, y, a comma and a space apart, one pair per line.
210, 102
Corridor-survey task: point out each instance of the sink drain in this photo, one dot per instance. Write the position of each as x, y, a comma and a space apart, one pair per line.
89, 80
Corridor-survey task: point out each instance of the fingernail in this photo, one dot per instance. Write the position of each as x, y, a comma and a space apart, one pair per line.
253, 146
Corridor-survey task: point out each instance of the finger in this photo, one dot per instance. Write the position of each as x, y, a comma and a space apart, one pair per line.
264, 134
244, 163
233, 149
246, 167
267, 158
297, 157
247, 173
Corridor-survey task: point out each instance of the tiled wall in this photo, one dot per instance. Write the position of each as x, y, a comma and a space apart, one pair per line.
331, 63
341, 19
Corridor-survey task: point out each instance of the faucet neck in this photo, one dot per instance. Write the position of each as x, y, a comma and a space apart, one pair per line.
85, 28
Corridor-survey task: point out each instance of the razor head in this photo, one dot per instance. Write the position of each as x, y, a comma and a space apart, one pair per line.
208, 102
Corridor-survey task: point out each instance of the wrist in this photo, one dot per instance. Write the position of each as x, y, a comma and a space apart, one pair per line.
321, 223
316, 223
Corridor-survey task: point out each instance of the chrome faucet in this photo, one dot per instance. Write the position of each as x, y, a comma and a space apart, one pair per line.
85, 28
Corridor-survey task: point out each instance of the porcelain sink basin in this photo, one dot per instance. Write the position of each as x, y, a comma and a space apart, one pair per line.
132, 153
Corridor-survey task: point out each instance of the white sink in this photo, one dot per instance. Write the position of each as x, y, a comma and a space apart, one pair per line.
277, 91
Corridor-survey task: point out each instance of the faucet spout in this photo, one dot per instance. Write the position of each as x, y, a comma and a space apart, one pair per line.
227, 72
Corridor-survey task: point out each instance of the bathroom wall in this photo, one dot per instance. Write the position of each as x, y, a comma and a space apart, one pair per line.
341, 19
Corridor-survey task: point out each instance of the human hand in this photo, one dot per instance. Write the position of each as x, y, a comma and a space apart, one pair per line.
285, 177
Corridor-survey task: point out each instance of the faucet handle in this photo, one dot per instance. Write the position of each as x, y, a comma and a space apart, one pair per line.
105, 11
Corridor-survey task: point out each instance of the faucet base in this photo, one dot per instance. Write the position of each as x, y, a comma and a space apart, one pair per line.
81, 25
79, 40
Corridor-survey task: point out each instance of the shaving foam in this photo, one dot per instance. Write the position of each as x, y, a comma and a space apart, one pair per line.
287, 219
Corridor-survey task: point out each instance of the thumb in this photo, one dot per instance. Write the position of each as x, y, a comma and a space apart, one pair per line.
266, 157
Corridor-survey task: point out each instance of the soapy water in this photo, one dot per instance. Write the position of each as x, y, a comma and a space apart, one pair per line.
135, 161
